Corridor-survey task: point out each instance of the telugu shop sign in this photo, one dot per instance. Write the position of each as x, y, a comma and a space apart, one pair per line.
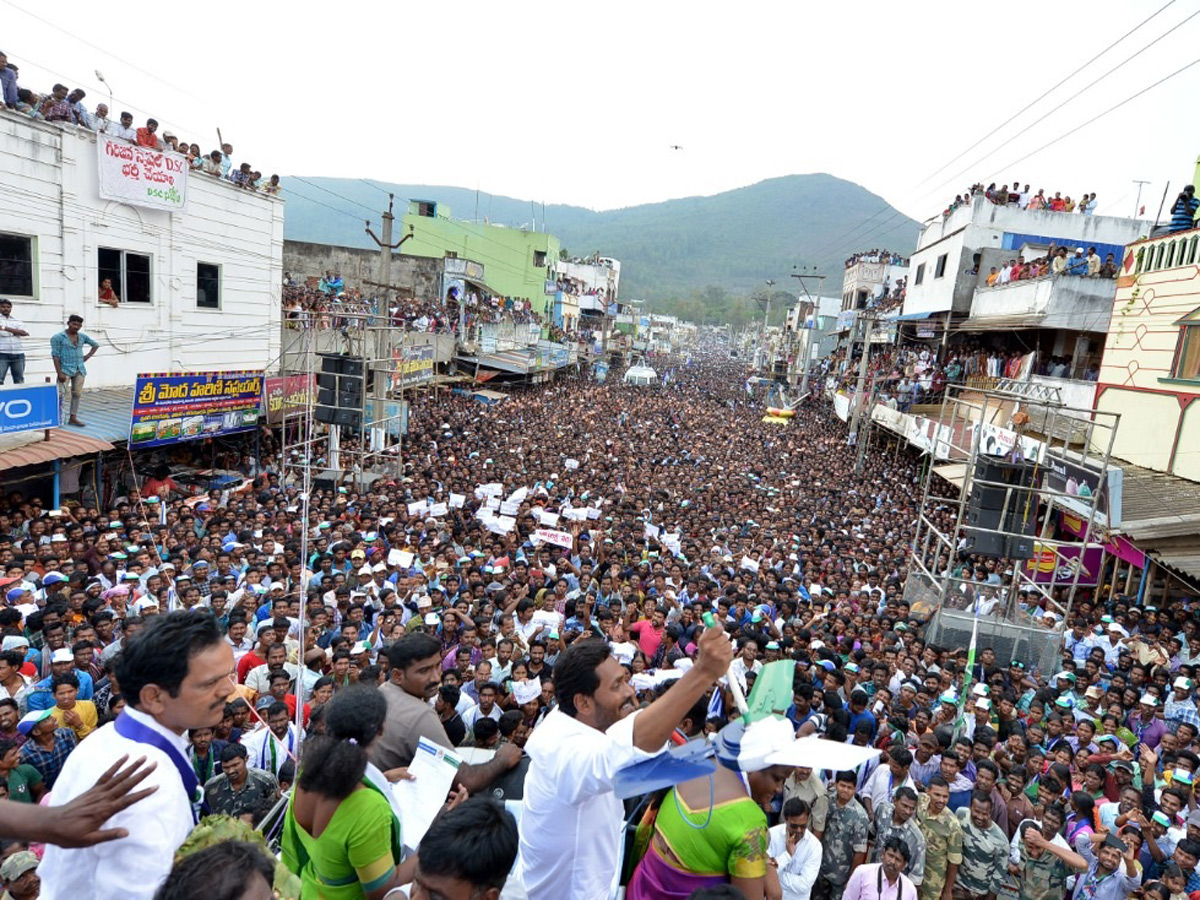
184, 406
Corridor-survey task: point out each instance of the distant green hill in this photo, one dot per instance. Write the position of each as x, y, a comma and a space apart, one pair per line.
668, 251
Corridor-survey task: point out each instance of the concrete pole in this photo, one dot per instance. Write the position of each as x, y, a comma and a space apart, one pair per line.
868, 324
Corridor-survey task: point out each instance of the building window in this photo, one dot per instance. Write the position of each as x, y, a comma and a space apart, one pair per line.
16, 265
1191, 255
920, 276
539, 259
208, 286
1140, 266
128, 272
1158, 256
941, 266
1187, 351
1170, 256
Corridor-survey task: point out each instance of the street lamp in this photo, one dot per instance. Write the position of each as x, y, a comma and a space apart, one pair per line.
100, 77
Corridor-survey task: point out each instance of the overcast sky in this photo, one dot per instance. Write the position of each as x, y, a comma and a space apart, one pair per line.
580, 102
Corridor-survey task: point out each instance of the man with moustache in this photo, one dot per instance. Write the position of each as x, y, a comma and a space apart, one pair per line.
177, 673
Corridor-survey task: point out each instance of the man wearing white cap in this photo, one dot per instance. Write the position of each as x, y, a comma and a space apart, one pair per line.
62, 661
1181, 705
1145, 724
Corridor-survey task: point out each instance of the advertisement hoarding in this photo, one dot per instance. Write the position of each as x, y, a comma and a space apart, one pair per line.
185, 406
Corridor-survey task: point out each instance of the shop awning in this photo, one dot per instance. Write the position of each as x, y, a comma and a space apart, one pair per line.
910, 317
30, 448
1002, 323
107, 412
955, 473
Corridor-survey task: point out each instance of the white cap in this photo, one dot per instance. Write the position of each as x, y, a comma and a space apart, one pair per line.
1184, 684
62, 654
980, 689
365, 570
1149, 699
983, 703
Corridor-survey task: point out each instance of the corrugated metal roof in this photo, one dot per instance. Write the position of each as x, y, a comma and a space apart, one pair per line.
107, 413
1157, 505
1160, 513
62, 444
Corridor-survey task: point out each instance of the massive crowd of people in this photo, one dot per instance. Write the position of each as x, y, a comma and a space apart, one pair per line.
65, 106
574, 533
327, 302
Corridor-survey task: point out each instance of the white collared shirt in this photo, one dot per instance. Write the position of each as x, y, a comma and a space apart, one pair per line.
797, 871
571, 824
11, 343
133, 867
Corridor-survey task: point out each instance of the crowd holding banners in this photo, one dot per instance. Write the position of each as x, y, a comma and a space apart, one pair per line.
435, 587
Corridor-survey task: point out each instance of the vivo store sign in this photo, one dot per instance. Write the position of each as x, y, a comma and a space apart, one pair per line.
27, 407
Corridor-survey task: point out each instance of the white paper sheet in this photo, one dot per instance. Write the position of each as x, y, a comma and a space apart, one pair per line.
433, 769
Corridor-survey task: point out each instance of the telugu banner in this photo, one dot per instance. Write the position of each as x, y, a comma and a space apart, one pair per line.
140, 176
184, 406
287, 394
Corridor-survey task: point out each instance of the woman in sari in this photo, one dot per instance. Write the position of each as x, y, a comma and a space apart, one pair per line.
340, 834
713, 830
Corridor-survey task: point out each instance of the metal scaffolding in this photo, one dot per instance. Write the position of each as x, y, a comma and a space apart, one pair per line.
1068, 451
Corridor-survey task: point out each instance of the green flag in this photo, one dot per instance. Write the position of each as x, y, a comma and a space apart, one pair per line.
772, 691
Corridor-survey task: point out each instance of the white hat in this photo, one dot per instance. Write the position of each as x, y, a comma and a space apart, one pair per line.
423, 602
815, 645
365, 570
62, 654
980, 689
12, 642
768, 742
432, 618
526, 691
378, 567
359, 648
1184, 684
983, 703
1149, 699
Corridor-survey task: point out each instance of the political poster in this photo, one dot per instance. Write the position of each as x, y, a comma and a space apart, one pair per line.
183, 406
141, 176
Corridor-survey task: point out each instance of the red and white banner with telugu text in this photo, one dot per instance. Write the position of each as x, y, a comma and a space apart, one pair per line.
140, 176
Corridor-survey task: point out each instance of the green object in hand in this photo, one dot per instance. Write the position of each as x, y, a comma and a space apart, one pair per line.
710, 621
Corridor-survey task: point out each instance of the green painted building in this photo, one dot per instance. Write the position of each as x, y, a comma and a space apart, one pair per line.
516, 263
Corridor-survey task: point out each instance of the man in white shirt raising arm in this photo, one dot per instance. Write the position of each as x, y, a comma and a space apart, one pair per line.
571, 824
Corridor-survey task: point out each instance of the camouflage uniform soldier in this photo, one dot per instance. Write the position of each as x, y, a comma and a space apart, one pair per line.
844, 840
1042, 873
903, 807
984, 852
943, 840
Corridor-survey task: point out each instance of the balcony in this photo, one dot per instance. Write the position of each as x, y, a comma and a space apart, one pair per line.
1054, 301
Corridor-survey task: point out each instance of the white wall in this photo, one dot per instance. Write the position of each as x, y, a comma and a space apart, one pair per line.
49, 190
982, 226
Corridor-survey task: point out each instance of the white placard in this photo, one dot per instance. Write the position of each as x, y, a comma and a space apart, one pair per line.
593, 513
575, 514
492, 503
748, 563
509, 509
393, 558
140, 176
439, 510
571, 464
458, 501
518, 495
652, 531
495, 489
406, 558
549, 519
558, 538
416, 507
